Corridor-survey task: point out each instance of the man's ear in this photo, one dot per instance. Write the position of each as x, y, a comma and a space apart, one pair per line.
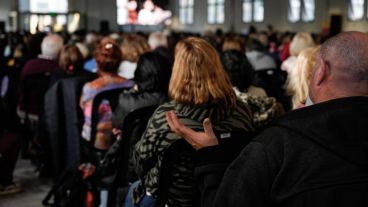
321, 72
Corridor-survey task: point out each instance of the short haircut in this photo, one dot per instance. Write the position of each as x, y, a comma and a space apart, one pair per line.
239, 69
133, 47
348, 53
71, 59
153, 73
300, 41
198, 76
233, 43
51, 46
108, 55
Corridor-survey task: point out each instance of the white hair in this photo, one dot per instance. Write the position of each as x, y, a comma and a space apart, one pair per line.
51, 46
157, 39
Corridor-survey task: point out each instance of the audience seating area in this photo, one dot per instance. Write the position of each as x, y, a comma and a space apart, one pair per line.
50, 118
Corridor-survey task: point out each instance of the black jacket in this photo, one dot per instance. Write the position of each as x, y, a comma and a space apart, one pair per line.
315, 156
129, 101
63, 119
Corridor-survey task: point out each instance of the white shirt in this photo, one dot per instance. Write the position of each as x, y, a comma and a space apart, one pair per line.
127, 69
260, 61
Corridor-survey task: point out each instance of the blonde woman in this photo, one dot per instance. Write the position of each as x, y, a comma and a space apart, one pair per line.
133, 47
199, 88
299, 78
300, 41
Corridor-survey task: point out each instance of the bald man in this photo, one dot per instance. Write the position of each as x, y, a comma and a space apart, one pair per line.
314, 156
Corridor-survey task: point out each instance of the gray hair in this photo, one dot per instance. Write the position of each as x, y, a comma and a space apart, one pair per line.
51, 46
347, 52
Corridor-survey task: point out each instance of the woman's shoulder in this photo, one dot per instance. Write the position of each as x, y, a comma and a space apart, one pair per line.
88, 91
133, 99
116, 82
166, 106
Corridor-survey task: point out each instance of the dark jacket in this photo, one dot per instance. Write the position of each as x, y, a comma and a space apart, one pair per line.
63, 119
158, 137
38, 65
315, 156
129, 101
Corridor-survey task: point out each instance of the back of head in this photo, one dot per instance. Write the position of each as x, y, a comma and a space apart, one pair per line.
108, 55
157, 39
133, 47
263, 39
51, 46
91, 38
83, 49
198, 76
71, 59
300, 41
240, 71
153, 73
347, 54
342, 68
298, 79
233, 43
254, 45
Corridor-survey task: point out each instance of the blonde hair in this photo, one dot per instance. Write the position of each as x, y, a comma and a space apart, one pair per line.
300, 41
299, 77
233, 43
133, 47
198, 76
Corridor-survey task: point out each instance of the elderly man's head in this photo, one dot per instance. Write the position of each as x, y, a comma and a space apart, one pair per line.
342, 68
51, 46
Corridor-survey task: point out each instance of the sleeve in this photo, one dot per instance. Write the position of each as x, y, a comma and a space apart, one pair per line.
25, 71
146, 149
246, 182
155, 140
120, 112
85, 96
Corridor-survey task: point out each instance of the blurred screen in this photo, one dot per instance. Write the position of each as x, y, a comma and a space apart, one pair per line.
142, 12
43, 6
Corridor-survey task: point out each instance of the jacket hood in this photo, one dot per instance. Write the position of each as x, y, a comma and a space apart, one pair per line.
340, 126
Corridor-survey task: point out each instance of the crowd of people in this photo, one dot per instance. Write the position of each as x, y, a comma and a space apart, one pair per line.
273, 119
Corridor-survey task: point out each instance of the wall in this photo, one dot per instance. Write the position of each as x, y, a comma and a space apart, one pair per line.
275, 14
95, 11
5, 7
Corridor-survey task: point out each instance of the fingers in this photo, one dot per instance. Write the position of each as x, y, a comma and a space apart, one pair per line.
177, 126
172, 120
169, 119
207, 126
197, 139
210, 134
116, 131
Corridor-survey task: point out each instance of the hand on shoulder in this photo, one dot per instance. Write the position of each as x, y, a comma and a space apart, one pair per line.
198, 140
